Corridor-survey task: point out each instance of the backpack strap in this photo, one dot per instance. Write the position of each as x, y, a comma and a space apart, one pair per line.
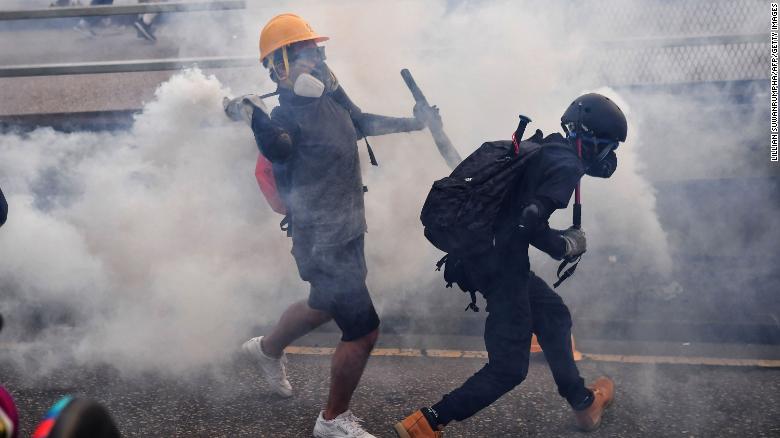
473, 304
371, 156
441, 263
284, 225
567, 273
340, 97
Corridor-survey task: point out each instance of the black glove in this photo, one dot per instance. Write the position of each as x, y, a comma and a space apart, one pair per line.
576, 244
428, 115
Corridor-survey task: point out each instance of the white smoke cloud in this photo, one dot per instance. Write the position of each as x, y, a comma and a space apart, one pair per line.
153, 238
157, 243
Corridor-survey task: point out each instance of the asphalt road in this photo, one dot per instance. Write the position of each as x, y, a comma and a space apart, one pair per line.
653, 400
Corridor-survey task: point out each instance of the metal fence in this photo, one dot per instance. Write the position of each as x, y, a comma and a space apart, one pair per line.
664, 18
636, 42
678, 64
664, 41
109, 10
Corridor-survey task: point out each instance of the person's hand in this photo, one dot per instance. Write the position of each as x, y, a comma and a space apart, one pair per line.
428, 115
576, 243
242, 108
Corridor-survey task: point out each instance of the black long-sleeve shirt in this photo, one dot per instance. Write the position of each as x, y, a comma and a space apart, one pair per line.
3, 208
548, 182
549, 239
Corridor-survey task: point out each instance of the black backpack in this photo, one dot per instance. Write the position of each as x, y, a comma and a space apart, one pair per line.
460, 211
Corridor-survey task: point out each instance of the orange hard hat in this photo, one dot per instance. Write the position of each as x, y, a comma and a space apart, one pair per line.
283, 30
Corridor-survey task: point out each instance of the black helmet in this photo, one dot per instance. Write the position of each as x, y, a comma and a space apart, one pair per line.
597, 115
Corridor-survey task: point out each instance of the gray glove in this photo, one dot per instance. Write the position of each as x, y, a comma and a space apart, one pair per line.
576, 244
428, 115
241, 108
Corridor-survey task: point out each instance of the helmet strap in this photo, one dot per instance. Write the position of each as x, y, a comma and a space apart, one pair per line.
279, 77
286, 60
578, 142
577, 209
574, 134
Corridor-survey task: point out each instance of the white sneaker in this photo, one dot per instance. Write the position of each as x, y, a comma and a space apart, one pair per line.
346, 425
273, 368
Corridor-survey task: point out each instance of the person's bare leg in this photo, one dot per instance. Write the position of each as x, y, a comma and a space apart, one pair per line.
346, 368
295, 322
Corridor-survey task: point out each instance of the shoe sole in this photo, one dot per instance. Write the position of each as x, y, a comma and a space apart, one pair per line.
253, 357
598, 423
400, 430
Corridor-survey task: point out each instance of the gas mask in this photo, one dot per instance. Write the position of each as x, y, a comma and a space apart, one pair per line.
599, 156
313, 84
321, 80
307, 85
597, 153
595, 149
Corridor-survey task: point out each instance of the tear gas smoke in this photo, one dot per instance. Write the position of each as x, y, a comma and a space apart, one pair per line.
152, 248
142, 239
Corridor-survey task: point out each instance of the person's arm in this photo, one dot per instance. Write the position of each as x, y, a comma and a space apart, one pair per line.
534, 224
368, 124
274, 141
374, 124
552, 194
3, 209
549, 241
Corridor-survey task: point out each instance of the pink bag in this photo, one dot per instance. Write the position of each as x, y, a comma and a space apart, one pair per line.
265, 179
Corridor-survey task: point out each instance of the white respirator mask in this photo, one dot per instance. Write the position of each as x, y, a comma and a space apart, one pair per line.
307, 85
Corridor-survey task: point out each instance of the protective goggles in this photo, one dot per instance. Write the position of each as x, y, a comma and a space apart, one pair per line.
315, 54
603, 145
280, 61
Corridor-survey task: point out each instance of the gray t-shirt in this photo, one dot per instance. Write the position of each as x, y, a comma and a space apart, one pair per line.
324, 186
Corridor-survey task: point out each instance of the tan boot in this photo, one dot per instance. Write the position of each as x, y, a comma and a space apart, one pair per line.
416, 426
589, 419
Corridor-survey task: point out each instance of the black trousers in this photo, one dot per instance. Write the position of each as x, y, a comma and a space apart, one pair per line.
516, 309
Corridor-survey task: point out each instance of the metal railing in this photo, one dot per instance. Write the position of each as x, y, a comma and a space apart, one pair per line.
106, 10
127, 66
139, 65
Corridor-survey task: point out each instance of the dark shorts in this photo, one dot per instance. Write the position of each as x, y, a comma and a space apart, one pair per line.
337, 275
